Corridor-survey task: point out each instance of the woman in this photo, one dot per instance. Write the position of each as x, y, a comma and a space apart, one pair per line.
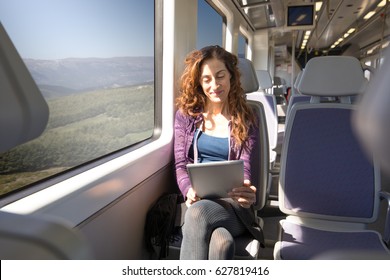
213, 115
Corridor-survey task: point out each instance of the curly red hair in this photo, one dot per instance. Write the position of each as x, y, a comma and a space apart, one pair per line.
192, 99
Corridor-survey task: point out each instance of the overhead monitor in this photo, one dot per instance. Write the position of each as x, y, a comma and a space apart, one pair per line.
300, 16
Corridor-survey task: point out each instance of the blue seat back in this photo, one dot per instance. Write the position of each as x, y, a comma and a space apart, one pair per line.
324, 171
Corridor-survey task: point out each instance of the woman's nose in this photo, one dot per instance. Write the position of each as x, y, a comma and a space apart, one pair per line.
214, 84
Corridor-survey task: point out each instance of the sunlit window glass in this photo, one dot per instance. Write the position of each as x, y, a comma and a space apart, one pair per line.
242, 46
210, 26
93, 61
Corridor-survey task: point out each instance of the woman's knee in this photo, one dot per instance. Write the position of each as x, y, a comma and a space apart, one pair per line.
204, 211
221, 244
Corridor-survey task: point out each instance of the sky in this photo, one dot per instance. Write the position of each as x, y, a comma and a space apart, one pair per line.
56, 29
209, 26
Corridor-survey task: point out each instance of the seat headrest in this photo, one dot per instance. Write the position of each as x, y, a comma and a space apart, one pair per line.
333, 76
24, 112
298, 79
278, 81
249, 82
264, 79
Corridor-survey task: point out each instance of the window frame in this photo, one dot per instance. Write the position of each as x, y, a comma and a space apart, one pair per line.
73, 171
57, 195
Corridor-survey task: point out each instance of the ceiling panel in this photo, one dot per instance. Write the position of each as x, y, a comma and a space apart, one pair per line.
335, 19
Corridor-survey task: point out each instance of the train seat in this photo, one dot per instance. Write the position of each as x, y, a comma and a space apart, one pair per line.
260, 162
269, 104
328, 188
24, 112
24, 115
32, 237
371, 120
296, 83
246, 246
275, 130
279, 86
295, 99
265, 81
306, 98
296, 95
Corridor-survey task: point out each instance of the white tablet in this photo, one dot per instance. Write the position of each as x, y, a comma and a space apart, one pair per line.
215, 179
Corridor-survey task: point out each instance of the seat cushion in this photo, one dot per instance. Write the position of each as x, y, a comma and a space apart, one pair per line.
301, 242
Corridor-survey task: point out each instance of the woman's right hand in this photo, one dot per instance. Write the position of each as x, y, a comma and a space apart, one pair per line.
191, 197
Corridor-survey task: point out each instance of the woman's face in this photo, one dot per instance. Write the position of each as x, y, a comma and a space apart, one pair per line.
215, 80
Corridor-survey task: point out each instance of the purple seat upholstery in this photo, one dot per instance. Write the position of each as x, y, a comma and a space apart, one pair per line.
329, 187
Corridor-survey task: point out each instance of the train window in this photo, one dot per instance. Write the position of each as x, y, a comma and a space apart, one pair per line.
380, 61
210, 26
242, 45
94, 63
367, 74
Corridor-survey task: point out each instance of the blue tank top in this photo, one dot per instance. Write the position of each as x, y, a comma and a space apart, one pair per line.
211, 148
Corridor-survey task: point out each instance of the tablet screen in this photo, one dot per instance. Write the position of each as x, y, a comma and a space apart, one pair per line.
216, 179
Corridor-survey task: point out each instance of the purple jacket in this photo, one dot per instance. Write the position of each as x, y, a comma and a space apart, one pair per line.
185, 127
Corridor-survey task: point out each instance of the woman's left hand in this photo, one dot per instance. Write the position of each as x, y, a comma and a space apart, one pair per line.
245, 196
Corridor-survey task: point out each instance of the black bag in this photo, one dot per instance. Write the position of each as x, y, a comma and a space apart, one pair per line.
163, 223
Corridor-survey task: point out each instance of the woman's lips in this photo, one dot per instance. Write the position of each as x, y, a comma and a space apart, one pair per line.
218, 92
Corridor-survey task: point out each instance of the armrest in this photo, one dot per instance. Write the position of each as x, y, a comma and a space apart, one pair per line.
33, 237
386, 236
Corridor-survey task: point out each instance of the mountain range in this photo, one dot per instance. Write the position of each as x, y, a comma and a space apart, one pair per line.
66, 76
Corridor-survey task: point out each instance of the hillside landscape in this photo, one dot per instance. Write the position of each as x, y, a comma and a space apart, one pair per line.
86, 121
